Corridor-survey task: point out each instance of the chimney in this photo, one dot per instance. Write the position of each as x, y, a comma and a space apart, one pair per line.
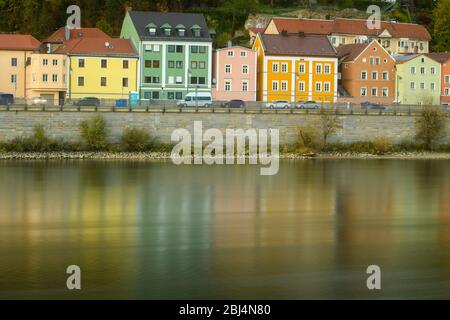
67, 33
229, 44
301, 34
284, 33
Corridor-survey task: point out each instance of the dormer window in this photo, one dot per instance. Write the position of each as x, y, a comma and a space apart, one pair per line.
196, 31
167, 29
181, 30
151, 29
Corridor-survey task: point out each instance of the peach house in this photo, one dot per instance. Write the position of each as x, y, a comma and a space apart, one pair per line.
367, 73
444, 59
234, 74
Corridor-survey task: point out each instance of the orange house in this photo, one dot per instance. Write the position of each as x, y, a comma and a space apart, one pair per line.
444, 59
296, 68
367, 72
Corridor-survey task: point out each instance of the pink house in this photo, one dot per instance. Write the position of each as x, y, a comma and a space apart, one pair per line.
234, 74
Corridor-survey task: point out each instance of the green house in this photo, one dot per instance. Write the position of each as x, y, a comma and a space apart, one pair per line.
175, 53
418, 80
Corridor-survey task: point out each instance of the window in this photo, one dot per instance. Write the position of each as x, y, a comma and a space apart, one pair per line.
202, 49
284, 86
178, 95
377, 60
245, 69
125, 64
374, 92
227, 85
432, 86
125, 82
179, 49
230, 53
301, 68
154, 80
284, 67
327, 69
45, 62
13, 78
274, 85
55, 62
152, 31
274, 67
243, 53
326, 86
154, 64
301, 86
81, 63
364, 75
155, 95
385, 92
422, 85
54, 78
422, 70
104, 64
44, 77
385, 75
171, 80
228, 68
179, 80
167, 32
170, 95
179, 64
244, 86
193, 64
447, 79
371, 60
196, 33
413, 70
412, 85
374, 75
81, 81
201, 80
103, 81
171, 48
318, 86
363, 92
171, 64
447, 91
433, 70
181, 32
318, 68
194, 49
194, 80
13, 62
202, 65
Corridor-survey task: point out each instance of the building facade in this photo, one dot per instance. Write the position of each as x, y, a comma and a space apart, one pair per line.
418, 80
175, 51
234, 74
395, 37
444, 59
367, 72
296, 68
101, 68
15, 54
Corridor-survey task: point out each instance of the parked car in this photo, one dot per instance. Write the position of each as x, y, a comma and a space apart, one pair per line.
88, 102
199, 99
234, 104
37, 101
6, 99
373, 106
308, 105
278, 104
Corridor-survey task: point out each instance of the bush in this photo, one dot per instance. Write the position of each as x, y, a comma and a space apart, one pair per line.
382, 145
135, 140
93, 133
310, 138
431, 126
37, 142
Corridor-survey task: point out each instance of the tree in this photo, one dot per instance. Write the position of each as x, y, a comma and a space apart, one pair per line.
329, 125
441, 32
431, 126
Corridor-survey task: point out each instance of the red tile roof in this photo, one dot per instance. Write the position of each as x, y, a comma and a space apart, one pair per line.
98, 47
350, 52
295, 45
440, 57
351, 26
59, 35
18, 42
257, 30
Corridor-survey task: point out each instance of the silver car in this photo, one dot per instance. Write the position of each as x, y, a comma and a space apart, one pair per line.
308, 105
278, 104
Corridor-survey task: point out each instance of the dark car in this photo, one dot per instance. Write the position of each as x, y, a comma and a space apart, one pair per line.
88, 102
372, 106
234, 104
6, 99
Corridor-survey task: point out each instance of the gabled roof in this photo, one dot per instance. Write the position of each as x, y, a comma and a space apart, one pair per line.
351, 26
440, 57
98, 47
141, 19
349, 52
295, 45
59, 35
257, 30
18, 42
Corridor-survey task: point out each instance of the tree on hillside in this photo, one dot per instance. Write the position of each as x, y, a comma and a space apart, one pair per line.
441, 32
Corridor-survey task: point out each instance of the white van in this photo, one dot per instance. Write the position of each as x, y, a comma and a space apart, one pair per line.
199, 99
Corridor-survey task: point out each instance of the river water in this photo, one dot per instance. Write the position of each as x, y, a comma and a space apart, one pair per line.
152, 230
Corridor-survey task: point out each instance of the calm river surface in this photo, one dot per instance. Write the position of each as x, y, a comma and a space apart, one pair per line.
152, 230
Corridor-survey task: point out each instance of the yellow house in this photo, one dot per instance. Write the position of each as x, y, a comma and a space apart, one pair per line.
296, 67
101, 68
15, 53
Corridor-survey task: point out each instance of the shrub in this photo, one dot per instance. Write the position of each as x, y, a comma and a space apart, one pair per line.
382, 145
37, 142
135, 140
328, 125
310, 138
431, 126
93, 133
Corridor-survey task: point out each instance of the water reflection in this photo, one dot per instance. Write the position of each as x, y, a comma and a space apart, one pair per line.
154, 230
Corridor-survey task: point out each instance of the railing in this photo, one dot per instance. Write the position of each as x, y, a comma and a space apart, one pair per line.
171, 106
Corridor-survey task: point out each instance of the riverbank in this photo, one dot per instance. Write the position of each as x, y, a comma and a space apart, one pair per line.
142, 156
